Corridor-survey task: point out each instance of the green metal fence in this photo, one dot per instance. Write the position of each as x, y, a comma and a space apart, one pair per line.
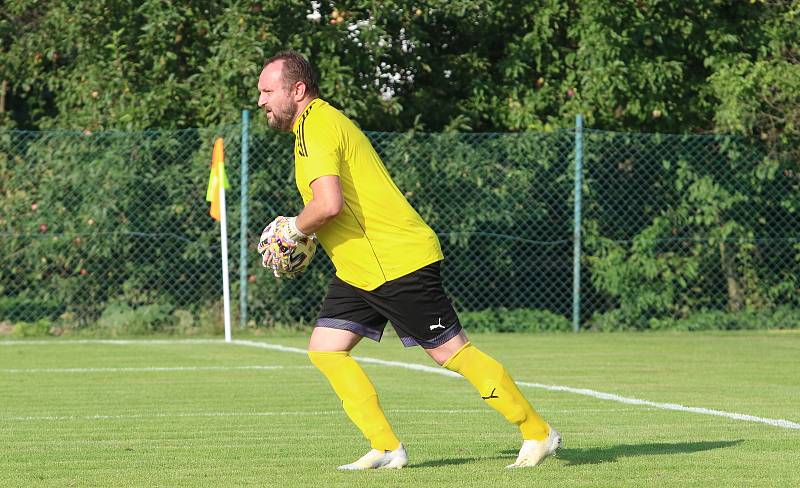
112, 228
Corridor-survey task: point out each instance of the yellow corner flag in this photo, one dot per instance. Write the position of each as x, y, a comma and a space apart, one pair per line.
217, 175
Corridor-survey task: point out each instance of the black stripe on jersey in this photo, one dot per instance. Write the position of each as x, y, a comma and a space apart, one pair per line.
367, 237
302, 149
301, 136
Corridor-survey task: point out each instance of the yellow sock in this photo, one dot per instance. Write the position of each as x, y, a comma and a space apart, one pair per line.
499, 391
358, 396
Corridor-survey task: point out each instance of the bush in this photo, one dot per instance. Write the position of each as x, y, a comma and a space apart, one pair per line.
705, 320
615, 320
122, 319
15, 309
36, 329
515, 320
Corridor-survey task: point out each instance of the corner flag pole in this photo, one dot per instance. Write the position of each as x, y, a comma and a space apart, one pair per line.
226, 286
217, 182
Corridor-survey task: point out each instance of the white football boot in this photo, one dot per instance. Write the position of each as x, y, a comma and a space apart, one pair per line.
533, 452
376, 459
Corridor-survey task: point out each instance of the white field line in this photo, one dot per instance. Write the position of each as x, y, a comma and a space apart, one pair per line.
786, 424
156, 369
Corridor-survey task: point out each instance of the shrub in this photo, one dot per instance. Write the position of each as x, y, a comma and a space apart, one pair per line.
778, 318
122, 319
20, 308
514, 320
39, 328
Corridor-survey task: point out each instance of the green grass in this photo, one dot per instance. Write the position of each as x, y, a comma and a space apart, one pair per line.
284, 427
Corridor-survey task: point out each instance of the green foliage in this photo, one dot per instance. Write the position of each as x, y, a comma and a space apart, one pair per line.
674, 224
496, 65
705, 320
122, 318
514, 320
759, 92
16, 308
706, 222
40, 328
88, 218
671, 224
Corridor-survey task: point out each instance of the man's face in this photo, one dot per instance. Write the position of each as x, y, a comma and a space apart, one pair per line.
275, 98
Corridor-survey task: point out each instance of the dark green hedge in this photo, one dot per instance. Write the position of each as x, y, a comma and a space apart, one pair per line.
671, 225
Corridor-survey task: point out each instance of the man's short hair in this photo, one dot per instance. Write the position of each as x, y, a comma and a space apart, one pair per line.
297, 68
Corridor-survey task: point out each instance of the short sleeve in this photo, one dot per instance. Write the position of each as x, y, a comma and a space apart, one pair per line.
318, 150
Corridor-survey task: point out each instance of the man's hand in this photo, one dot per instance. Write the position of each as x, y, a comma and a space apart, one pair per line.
287, 232
266, 246
276, 245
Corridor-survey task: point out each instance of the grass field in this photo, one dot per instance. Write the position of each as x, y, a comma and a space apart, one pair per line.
206, 413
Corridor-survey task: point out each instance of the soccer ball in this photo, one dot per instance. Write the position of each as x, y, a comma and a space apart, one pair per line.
285, 261
296, 259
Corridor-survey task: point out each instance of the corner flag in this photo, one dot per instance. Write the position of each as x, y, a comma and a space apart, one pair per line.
216, 177
217, 183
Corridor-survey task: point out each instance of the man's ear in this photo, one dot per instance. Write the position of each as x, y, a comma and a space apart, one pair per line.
299, 91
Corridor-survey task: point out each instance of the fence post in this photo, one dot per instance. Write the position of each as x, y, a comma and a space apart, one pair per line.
576, 249
243, 222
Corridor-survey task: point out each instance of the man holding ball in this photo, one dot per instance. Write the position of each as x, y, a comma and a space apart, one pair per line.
387, 262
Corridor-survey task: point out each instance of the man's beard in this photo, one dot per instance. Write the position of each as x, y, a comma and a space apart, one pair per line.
282, 121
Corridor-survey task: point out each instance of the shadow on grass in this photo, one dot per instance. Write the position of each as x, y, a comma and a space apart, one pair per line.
596, 455
443, 462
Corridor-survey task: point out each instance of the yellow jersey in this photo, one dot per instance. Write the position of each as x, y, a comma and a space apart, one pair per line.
377, 236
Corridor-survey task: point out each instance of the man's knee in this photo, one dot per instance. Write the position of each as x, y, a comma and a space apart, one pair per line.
325, 339
444, 352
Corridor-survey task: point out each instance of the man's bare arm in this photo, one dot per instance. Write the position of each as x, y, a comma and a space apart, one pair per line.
325, 204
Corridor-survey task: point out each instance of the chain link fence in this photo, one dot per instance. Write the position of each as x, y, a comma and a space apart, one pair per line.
111, 229
107, 228
688, 225
500, 203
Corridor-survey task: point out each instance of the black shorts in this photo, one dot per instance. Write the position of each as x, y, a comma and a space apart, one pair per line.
415, 304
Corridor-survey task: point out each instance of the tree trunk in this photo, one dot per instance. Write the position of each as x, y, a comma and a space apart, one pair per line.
735, 299
3, 88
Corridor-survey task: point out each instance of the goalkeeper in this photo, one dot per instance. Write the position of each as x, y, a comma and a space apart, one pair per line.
387, 264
